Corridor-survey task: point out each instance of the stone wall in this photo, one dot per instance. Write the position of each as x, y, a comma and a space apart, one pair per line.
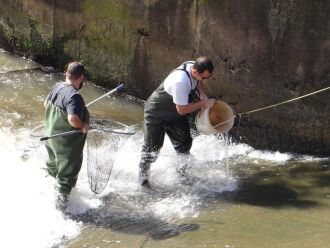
264, 52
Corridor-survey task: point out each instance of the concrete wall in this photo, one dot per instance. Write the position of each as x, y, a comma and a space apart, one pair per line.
264, 52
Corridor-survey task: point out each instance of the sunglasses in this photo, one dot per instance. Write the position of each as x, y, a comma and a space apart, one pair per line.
211, 74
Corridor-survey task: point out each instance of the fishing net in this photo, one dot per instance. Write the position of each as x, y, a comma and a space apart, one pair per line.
103, 142
102, 148
38, 131
101, 154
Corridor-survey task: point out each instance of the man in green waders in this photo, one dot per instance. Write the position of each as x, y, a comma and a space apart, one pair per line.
66, 111
167, 109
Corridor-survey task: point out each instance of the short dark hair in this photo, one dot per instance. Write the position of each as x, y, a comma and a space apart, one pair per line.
202, 64
75, 70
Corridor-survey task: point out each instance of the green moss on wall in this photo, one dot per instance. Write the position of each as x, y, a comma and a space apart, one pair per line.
33, 46
104, 42
106, 26
113, 9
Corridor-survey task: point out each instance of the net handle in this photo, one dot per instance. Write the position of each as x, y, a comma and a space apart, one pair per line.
120, 87
59, 134
79, 131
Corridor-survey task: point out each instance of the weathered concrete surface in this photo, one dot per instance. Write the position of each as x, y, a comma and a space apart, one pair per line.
264, 52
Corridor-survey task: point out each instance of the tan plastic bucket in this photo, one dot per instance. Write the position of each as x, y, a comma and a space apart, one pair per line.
218, 119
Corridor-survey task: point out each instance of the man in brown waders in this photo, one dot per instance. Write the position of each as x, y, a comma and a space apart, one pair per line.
66, 111
167, 109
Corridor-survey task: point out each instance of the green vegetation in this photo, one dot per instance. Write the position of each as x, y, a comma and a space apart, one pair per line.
33, 46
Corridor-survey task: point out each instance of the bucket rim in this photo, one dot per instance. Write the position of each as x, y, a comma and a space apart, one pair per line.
204, 125
205, 111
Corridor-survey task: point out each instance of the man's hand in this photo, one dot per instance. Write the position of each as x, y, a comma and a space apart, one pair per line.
84, 128
76, 122
191, 107
208, 103
203, 97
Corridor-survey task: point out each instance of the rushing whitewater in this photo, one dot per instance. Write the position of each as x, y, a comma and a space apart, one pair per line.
28, 194
27, 211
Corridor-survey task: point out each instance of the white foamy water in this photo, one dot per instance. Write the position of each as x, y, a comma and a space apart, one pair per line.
28, 195
27, 212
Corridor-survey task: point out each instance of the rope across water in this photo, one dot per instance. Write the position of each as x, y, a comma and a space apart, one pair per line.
272, 106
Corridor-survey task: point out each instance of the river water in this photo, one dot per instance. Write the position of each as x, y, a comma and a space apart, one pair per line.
233, 195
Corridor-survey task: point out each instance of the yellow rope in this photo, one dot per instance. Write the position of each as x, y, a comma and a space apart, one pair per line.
271, 106
291, 100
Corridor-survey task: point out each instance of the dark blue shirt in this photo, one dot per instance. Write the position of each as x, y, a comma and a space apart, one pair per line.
67, 98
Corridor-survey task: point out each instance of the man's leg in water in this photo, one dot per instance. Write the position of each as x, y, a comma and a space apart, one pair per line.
153, 141
179, 133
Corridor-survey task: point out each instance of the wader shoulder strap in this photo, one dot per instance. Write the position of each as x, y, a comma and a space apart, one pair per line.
55, 93
188, 74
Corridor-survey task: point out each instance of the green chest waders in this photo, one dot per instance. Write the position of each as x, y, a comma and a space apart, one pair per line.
65, 152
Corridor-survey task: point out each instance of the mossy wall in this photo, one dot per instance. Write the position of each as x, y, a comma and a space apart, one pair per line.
264, 52
26, 28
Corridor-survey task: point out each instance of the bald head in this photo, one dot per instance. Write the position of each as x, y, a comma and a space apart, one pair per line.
202, 64
75, 70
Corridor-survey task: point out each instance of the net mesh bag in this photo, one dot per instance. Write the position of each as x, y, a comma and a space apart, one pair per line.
102, 148
104, 139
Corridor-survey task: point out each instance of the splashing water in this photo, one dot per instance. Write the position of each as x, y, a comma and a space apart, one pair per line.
27, 211
27, 208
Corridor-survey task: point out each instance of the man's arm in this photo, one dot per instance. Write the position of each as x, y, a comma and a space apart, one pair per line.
75, 108
76, 122
191, 107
